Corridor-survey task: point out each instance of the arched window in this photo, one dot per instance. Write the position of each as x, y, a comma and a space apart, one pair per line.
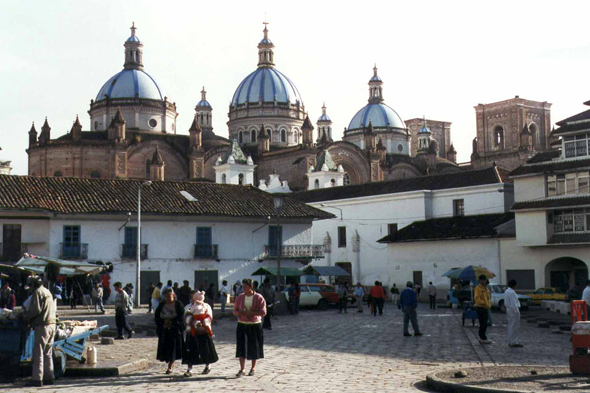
533, 129
223, 179
95, 175
346, 179
241, 179
207, 118
240, 137
148, 162
57, 174
316, 185
283, 136
253, 136
296, 137
499, 137
333, 182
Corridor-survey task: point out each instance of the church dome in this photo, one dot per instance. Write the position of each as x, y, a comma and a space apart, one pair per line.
379, 114
265, 84
131, 84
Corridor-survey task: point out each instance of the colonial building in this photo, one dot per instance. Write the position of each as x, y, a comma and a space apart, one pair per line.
221, 232
4, 165
510, 132
469, 204
133, 123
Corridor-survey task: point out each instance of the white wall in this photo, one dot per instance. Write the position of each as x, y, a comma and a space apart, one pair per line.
369, 216
532, 228
527, 188
34, 233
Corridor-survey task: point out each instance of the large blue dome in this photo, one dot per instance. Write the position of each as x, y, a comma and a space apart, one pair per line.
379, 114
266, 84
131, 84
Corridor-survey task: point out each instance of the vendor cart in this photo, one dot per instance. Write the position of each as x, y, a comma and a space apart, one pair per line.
16, 346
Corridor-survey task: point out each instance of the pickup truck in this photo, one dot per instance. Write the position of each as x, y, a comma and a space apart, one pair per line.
497, 295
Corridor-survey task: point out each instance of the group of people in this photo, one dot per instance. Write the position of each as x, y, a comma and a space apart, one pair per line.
183, 293
185, 331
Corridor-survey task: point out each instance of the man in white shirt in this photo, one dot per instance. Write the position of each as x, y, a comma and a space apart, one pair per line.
513, 313
586, 294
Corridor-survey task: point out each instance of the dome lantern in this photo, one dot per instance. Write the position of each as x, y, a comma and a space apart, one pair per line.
133, 51
375, 88
265, 53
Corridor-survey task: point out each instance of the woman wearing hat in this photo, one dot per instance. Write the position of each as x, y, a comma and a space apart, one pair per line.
198, 344
250, 308
169, 316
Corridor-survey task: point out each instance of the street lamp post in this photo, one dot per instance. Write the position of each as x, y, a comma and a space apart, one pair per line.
138, 273
333, 207
278, 202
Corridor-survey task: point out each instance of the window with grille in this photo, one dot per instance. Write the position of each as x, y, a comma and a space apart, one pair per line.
458, 207
568, 184
341, 236
573, 220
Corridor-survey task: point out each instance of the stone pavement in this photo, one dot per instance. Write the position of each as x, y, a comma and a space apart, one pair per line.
325, 351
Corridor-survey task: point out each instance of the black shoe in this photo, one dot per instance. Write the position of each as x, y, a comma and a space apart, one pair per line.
131, 333
48, 382
417, 334
120, 338
34, 383
407, 335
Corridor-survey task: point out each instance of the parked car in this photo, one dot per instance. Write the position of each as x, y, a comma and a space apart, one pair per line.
497, 298
548, 294
316, 295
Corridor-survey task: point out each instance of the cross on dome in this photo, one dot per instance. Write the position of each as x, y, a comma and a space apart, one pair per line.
133, 28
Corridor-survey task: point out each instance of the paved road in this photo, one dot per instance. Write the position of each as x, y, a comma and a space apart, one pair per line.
330, 352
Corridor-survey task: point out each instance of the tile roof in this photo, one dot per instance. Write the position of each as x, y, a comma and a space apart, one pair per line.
71, 195
552, 202
551, 166
566, 238
478, 177
450, 228
544, 156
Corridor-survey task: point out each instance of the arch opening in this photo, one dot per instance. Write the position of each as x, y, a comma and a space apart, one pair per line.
565, 272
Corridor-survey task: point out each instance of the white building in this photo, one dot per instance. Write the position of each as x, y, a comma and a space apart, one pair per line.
4, 165
371, 212
225, 234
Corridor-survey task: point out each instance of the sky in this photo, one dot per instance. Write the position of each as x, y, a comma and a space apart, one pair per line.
437, 59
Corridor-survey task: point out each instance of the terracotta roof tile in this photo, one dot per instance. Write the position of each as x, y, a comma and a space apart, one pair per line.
71, 195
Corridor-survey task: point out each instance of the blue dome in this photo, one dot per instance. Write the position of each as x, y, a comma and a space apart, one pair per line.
265, 83
379, 114
375, 78
133, 39
204, 103
128, 84
324, 118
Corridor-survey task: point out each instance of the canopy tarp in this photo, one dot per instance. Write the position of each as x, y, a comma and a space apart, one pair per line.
469, 273
272, 271
325, 271
37, 264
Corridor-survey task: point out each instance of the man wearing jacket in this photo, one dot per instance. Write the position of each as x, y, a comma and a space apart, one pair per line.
121, 312
409, 301
41, 317
483, 304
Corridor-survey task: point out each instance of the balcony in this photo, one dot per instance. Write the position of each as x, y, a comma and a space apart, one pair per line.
206, 251
129, 251
12, 256
73, 251
300, 251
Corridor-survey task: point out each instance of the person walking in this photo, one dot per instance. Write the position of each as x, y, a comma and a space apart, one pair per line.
269, 295
342, 297
150, 290
41, 318
394, 294
490, 318
184, 293
483, 304
223, 292
169, 325
513, 313
250, 308
168, 285
378, 297
129, 289
157, 296
359, 294
198, 346
97, 294
418, 289
176, 289
409, 302
121, 312
297, 297
292, 293
432, 295
210, 296
237, 289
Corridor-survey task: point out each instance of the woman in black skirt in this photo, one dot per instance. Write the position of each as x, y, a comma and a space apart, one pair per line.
169, 328
198, 343
250, 308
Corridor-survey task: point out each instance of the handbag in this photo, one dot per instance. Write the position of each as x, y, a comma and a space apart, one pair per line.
201, 330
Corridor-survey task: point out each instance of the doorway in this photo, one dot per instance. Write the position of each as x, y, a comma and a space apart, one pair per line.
344, 279
417, 277
565, 272
11, 242
146, 278
205, 278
